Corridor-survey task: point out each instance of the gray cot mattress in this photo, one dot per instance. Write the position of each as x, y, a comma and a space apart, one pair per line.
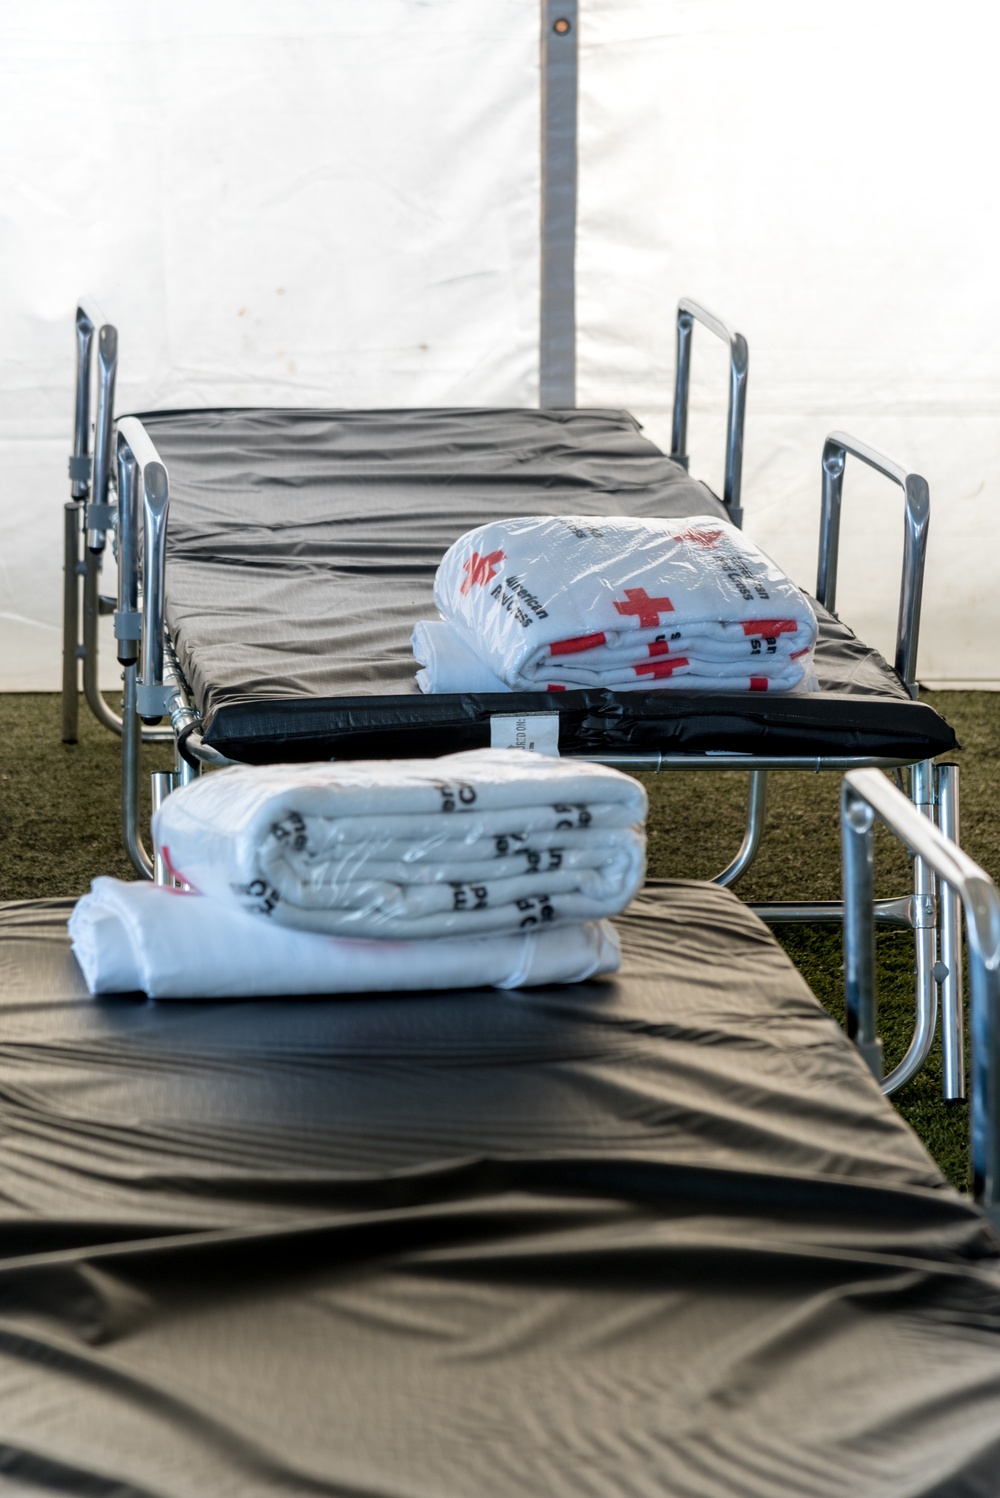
302, 547
656, 1234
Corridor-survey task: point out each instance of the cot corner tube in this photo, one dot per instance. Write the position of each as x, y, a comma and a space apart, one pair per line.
689, 312
131, 742
87, 321
836, 449
71, 623
128, 621
99, 513
981, 903
857, 822
142, 469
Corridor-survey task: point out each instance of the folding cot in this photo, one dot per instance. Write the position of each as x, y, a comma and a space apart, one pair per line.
273, 615
651, 1234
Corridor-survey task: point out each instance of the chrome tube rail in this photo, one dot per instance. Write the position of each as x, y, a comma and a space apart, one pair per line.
142, 479
88, 320
688, 313
654, 760
93, 513
900, 912
131, 743
925, 939
867, 794
99, 518
950, 915
128, 620
836, 449
99, 512
753, 830
161, 786
150, 479
71, 623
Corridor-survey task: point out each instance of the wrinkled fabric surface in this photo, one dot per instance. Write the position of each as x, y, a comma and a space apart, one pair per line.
654, 1234
302, 548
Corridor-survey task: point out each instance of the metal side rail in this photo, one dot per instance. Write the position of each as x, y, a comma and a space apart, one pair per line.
90, 516
836, 450
866, 795
688, 313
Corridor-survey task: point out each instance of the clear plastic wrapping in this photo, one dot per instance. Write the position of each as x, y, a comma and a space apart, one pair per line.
484, 841
555, 602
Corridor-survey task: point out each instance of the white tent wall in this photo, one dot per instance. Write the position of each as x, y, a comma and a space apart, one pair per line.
336, 202
824, 177
292, 204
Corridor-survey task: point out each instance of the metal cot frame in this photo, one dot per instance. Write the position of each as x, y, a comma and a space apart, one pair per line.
153, 687
865, 796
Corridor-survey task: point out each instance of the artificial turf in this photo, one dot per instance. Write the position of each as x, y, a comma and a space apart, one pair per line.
59, 827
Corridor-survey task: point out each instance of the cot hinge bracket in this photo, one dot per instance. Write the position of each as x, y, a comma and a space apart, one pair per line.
100, 517
153, 701
128, 624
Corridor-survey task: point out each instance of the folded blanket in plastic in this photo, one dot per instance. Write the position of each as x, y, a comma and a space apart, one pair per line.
171, 944
553, 602
489, 840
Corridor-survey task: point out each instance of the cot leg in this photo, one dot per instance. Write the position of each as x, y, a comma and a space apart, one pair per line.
756, 813
950, 969
91, 617
71, 623
131, 743
184, 771
856, 820
161, 784
925, 935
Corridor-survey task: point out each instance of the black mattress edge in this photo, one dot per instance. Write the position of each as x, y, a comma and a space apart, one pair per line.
834, 725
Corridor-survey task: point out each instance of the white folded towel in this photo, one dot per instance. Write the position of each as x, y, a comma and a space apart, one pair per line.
169, 944
490, 840
450, 660
549, 603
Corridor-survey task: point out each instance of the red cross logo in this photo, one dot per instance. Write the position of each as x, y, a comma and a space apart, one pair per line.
647, 610
700, 538
660, 668
481, 569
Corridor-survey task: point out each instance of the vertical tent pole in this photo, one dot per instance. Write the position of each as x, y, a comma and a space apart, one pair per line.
557, 349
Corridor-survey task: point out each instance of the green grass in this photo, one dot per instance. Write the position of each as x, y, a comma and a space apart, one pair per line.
59, 827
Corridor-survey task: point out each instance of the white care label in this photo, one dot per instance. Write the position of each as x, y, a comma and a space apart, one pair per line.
537, 731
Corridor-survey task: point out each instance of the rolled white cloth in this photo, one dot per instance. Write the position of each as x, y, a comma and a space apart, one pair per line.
450, 661
551, 602
491, 840
169, 944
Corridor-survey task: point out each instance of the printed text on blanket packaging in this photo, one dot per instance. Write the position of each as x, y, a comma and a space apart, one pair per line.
536, 908
505, 845
582, 529
566, 815
738, 570
509, 601
469, 897
263, 896
291, 829
455, 793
